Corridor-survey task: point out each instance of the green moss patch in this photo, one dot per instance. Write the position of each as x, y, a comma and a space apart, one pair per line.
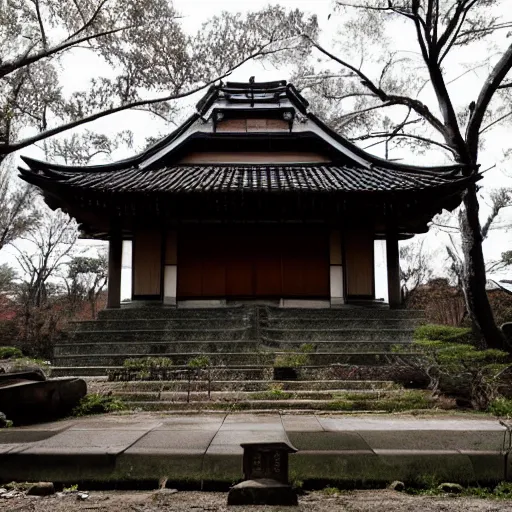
445, 333
96, 403
10, 353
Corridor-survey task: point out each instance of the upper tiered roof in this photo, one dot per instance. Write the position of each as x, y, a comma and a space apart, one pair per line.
250, 138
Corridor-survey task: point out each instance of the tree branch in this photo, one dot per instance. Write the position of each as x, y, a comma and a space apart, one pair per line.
41, 26
89, 22
496, 121
490, 86
500, 198
419, 107
9, 148
25, 60
405, 135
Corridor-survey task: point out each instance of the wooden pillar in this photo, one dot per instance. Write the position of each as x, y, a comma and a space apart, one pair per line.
115, 256
170, 269
393, 263
336, 269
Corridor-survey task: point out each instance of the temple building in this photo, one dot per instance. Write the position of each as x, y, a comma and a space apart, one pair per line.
252, 198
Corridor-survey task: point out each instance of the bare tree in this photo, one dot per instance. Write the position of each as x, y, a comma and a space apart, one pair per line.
17, 214
439, 30
415, 267
48, 248
86, 279
150, 60
8, 278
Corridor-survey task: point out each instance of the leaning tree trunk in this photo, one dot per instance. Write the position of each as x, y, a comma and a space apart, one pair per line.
473, 275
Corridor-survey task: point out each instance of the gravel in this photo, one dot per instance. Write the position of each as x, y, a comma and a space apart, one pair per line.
162, 501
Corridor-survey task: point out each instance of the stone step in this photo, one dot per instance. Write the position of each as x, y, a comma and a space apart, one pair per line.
346, 311
173, 313
268, 394
307, 335
162, 348
238, 385
364, 405
242, 323
239, 358
310, 322
168, 348
161, 335
338, 372
211, 335
157, 324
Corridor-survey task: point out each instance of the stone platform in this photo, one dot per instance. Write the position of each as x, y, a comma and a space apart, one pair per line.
336, 351
196, 449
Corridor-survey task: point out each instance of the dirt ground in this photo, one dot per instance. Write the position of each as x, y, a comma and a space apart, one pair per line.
163, 501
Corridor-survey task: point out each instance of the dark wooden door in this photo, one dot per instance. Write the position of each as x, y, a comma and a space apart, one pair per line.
253, 262
306, 265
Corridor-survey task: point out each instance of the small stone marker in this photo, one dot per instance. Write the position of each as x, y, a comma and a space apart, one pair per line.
265, 467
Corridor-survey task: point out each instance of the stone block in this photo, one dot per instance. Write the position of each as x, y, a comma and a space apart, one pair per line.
328, 441
346, 465
424, 466
301, 423
262, 492
435, 440
488, 466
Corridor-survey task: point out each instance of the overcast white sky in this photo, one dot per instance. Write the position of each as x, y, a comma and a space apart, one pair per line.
79, 69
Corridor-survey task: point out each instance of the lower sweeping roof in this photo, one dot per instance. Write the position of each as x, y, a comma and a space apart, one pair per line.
244, 178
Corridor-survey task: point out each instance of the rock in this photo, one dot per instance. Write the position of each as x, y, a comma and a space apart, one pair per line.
262, 491
451, 488
28, 401
397, 486
10, 494
507, 330
167, 491
41, 489
81, 496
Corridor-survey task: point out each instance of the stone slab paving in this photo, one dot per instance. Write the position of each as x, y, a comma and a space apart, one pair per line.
207, 448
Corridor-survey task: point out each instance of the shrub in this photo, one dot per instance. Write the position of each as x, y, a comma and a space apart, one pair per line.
445, 333
98, 404
460, 369
147, 363
405, 401
290, 360
501, 407
10, 353
307, 348
199, 362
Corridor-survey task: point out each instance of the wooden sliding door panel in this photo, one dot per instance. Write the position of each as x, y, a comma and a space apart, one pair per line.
305, 265
359, 263
253, 262
239, 264
268, 265
190, 265
316, 266
147, 263
214, 266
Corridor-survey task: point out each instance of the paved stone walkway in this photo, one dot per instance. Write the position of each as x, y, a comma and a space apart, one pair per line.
207, 448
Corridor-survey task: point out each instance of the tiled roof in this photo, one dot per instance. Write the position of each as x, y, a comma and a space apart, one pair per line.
242, 178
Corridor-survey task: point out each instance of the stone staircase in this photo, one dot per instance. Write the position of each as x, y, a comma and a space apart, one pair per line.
343, 355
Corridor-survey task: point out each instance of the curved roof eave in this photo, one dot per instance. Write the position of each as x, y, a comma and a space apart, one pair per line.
34, 163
